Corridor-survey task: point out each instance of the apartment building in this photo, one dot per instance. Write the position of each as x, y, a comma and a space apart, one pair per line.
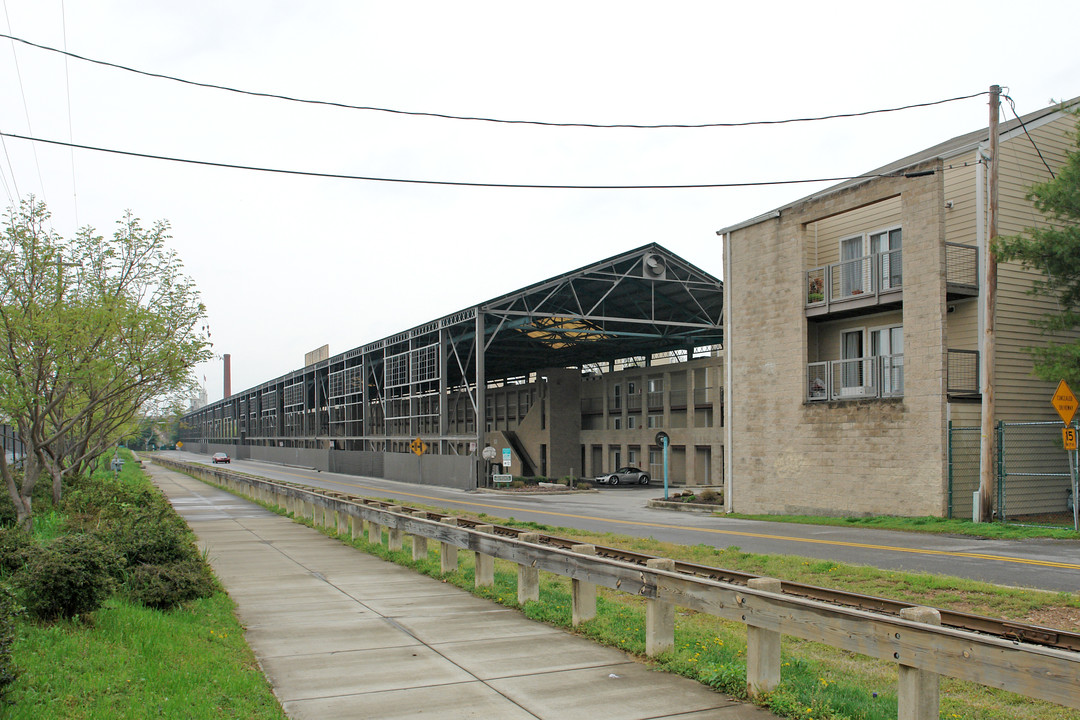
853, 325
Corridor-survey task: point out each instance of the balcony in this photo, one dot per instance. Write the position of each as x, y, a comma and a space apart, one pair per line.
880, 376
962, 374
866, 281
847, 287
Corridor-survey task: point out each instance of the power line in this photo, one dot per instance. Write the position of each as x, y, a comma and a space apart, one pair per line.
446, 116
341, 176
1012, 106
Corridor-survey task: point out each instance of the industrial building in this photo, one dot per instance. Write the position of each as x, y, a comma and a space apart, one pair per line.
568, 377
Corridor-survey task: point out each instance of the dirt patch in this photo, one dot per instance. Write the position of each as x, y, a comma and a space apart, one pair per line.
1062, 618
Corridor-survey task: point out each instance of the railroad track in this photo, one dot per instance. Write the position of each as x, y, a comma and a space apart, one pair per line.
1005, 629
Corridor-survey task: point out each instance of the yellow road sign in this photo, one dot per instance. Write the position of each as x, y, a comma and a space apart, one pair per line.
1064, 402
1068, 438
418, 446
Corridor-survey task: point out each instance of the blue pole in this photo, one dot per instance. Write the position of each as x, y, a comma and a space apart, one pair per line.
666, 441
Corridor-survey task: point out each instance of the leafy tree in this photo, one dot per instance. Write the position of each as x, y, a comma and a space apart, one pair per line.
94, 329
1055, 250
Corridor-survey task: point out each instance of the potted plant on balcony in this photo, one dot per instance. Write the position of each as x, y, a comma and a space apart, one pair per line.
815, 290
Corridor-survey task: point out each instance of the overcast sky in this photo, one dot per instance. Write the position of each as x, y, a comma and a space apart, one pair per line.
287, 263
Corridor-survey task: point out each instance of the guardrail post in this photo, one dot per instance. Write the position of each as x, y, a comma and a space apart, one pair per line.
374, 532
762, 648
356, 525
419, 542
342, 522
394, 535
528, 576
448, 560
659, 616
485, 564
918, 696
582, 592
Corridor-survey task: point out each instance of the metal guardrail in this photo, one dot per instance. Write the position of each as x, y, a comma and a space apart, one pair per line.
1034, 671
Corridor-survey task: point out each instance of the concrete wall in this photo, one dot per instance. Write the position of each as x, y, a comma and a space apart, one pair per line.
439, 470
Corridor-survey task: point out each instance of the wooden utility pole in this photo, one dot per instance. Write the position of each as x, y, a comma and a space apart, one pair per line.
988, 436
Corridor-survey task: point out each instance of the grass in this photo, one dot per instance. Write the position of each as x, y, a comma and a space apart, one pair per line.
818, 682
128, 661
933, 525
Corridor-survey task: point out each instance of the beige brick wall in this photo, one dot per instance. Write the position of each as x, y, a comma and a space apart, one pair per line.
860, 457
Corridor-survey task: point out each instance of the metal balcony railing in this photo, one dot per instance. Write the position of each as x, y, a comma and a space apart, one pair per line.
869, 275
962, 265
880, 376
962, 372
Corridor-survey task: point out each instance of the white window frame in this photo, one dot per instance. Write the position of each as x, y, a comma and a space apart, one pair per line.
849, 279
886, 379
853, 389
885, 279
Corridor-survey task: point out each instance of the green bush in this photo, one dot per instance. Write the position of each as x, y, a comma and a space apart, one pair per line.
103, 494
166, 586
16, 548
72, 576
150, 536
9, 614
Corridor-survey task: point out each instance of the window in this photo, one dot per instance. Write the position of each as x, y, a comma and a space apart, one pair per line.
885, 246
887, 343
631, 422
852, 376
656, 420
616, 422
853, 267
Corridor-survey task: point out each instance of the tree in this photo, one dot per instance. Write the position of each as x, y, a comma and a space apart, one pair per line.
1054, 250
94, 329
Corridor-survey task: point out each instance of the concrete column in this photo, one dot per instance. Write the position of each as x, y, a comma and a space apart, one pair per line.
342, 522
448, 552
419, 543
659, 616
528, 576
918, 696
582, 593
309, 509
485, 564
356, 527
374, 532
762, 648
394, 541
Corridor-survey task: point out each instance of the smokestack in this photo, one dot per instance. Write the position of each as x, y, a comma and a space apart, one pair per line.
228, 375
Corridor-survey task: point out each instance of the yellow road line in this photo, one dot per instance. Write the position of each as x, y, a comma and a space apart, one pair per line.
714, 531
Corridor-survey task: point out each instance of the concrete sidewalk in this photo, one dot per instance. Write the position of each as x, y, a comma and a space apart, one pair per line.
343, 634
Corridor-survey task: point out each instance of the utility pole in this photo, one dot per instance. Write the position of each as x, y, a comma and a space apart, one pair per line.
987, 441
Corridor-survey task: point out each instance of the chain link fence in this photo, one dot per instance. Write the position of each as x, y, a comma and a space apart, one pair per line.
1033, 482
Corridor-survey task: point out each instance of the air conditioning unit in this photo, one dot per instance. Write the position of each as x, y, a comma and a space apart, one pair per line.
654, 267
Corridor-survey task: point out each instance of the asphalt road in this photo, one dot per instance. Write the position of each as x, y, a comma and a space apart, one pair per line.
1045, 564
